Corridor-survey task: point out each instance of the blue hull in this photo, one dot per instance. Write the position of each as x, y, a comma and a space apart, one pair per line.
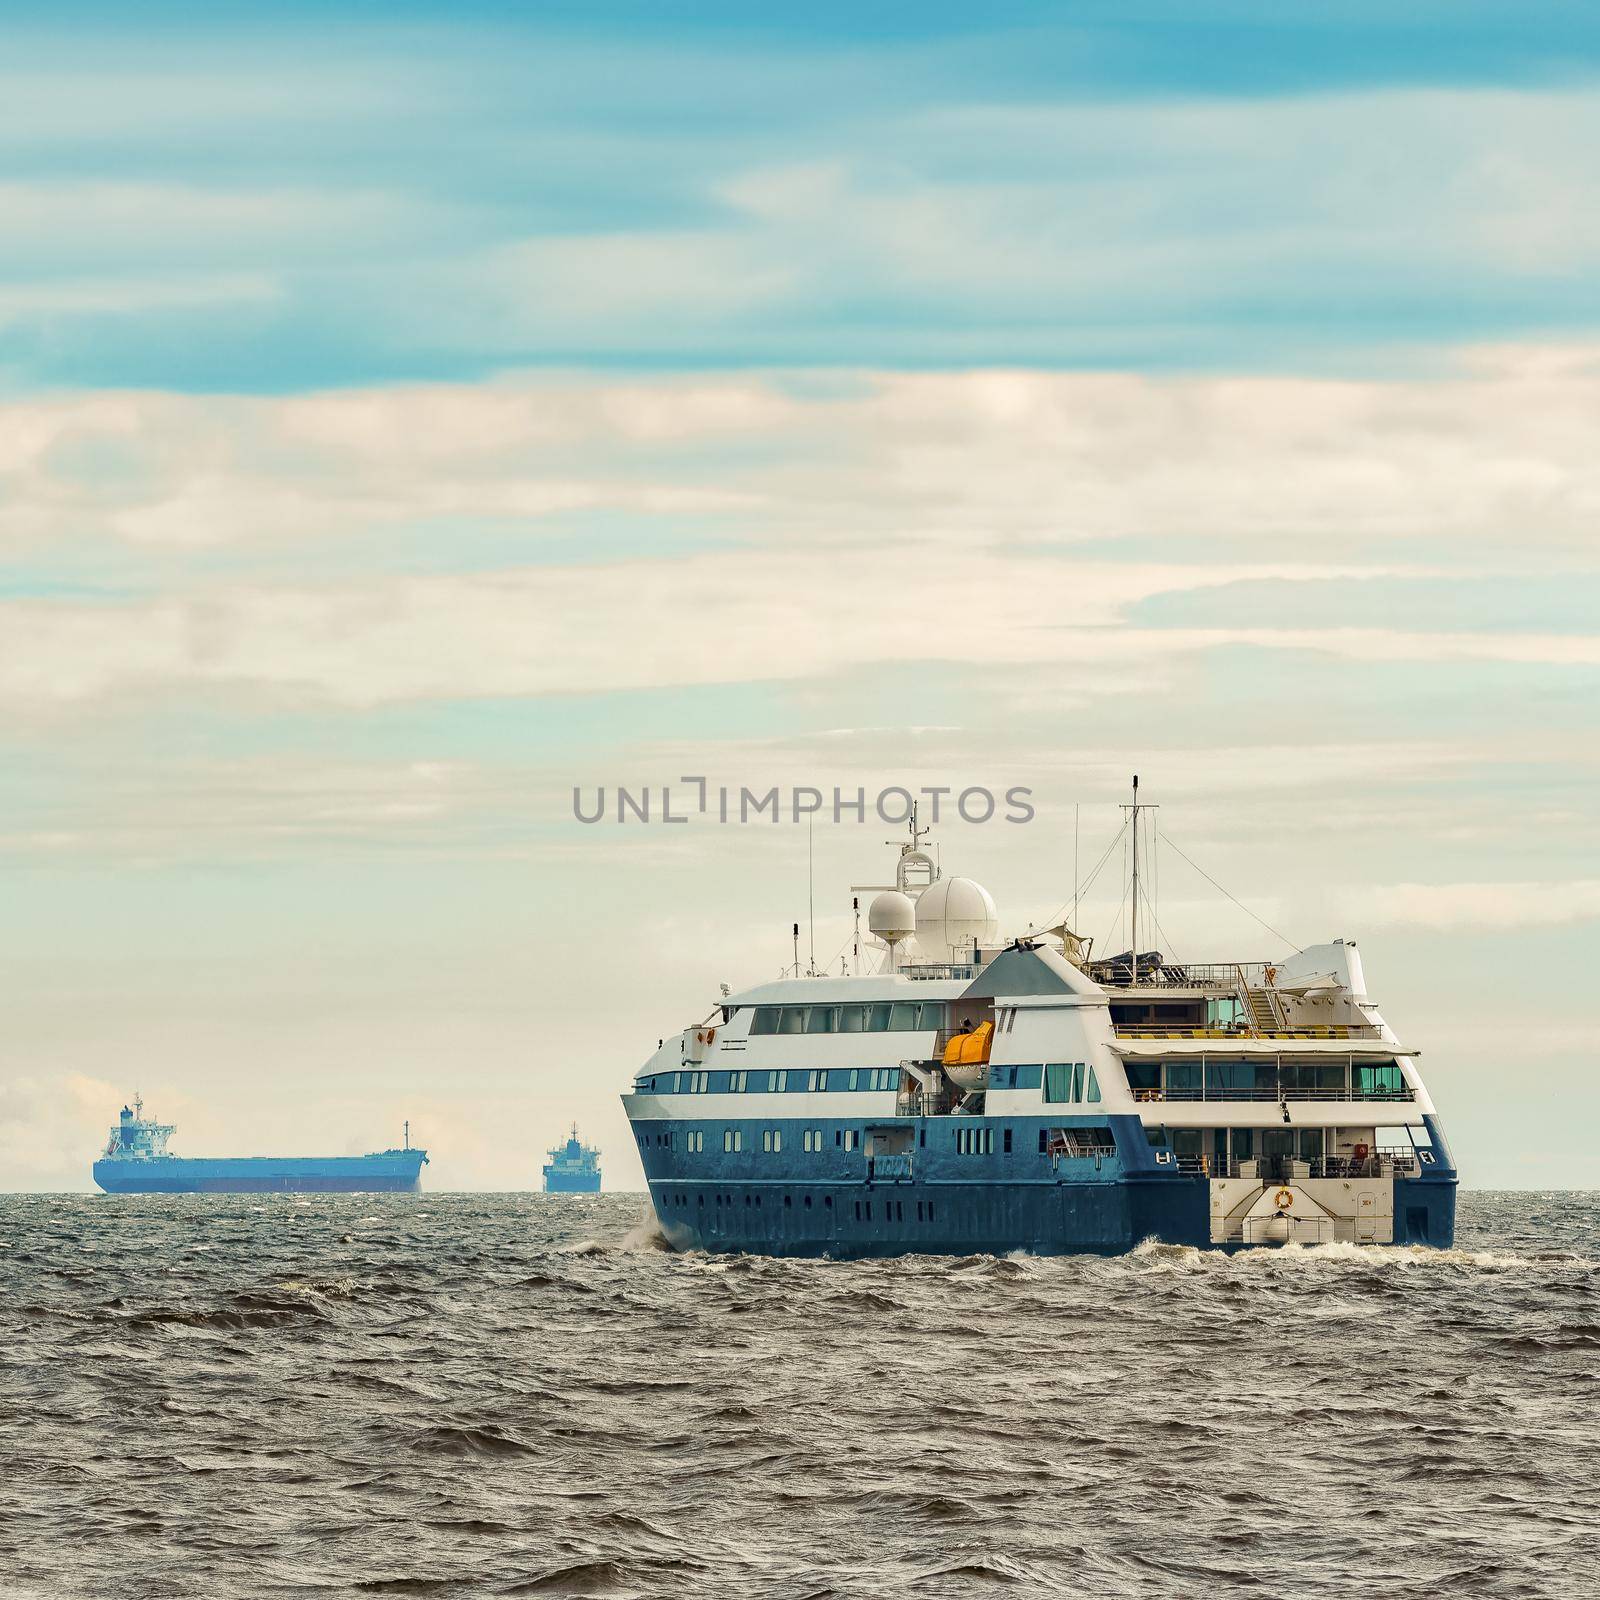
836, 1203
572, 1183
399, 1172
923, 1219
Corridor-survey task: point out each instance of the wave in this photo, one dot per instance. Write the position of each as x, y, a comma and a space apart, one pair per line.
462, 1440
1153, 1254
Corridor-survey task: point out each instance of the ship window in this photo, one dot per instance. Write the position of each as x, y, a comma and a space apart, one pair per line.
788, 1201
1077, 1080
932, 1014
1143, 1076
903, 1016
1042, 1139
858, 1210
1235, 1077
1057, 1082
808, 1202
1183, 1077
878, 1017
765, 1020
852, 1019
793, 1020
737, 1081
1324, 1076
816, 1079
827, 1201
1375, 1079
853, 1076
1008, 1142
777, 1082
822, 1019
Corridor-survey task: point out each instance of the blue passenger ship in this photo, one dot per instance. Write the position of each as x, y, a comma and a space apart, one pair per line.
975, 1095
135, 1161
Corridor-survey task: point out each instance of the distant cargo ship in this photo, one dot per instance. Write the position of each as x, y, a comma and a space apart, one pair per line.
573, 1168
136, 1162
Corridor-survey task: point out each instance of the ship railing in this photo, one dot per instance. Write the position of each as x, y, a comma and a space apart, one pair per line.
1222, 976
1271, 1096
1385, 1163
1167, 1030
923, 1103
889, 1168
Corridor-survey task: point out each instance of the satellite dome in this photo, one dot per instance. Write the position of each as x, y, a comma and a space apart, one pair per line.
953, 915
892, 916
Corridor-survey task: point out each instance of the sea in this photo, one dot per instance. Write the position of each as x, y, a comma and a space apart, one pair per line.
482, 1395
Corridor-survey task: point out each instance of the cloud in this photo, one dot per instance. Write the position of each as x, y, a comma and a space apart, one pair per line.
132, 295
53, 1126
739, 213
1460, 907
1331, 469
644, 624
367, 547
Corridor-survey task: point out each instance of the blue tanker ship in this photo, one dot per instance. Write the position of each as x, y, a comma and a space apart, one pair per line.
573, 1168
136, 1162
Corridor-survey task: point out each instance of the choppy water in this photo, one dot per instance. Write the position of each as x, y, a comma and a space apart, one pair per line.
472, 1395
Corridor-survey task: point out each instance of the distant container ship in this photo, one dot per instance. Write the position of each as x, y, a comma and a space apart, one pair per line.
573, 1168
136, 1162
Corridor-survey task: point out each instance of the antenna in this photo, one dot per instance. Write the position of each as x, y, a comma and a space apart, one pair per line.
1074, 867
797, 949
811, 899
855, 906
408, 1133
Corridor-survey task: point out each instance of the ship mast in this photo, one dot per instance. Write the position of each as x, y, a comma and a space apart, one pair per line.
1134, 811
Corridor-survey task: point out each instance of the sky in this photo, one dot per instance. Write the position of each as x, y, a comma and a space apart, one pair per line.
410, 414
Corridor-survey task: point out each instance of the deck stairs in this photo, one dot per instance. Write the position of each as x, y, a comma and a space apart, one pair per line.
1263, 1007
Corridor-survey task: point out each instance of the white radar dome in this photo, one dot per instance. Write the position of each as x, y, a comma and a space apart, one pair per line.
952, 915
892, 916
